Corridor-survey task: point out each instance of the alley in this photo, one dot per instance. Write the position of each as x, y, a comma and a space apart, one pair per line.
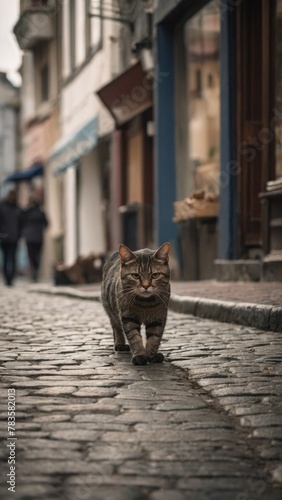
206, 424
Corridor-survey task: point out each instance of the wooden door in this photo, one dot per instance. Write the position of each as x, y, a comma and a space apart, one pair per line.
255, 149
139, 181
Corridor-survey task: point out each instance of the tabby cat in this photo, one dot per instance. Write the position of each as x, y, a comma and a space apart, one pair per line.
136, 291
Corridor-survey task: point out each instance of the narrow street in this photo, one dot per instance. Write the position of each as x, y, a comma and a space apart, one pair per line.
204, 425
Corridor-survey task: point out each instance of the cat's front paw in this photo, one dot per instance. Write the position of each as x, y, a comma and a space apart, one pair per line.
122, 347
157, 358
139, 359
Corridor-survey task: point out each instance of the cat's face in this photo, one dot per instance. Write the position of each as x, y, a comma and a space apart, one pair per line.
145, 273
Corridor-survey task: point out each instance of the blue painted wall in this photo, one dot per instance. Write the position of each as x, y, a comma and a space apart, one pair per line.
165, 180
227, 248
168, 13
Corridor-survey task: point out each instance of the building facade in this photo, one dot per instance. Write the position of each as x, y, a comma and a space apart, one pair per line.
96, 153
9, 131
37, 34
81, 159
104, 156
128, 97
218, 115
9, 137
134, 106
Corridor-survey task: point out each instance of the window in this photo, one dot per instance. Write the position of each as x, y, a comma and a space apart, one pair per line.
72, 37
81, 32
44, 82
201, 39
87, 25
39, 3
95, 22
42, 73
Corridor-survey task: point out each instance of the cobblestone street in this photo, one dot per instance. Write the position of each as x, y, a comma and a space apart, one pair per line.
204, 425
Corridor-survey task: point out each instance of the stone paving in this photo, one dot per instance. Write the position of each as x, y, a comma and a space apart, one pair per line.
206, 424
256, 305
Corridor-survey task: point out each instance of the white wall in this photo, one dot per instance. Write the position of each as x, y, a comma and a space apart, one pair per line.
28, 87
8, 139
54, 230
8, 131
70, 248
84, 228
79, 101
90, 216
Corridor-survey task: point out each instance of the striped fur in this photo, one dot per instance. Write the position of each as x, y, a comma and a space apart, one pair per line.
136, 291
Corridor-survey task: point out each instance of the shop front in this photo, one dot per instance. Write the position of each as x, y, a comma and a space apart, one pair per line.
271, 138
218, 116
128, 98
76, 163
188, 134
252, 160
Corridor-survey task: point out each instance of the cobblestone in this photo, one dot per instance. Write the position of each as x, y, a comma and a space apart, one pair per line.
206, 424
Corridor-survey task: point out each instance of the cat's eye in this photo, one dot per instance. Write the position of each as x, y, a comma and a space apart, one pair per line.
155, 275
135, 276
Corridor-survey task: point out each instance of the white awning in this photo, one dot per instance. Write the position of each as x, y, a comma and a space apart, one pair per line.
69, 150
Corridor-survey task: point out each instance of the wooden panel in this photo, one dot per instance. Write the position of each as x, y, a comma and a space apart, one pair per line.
254, 102
128, 95
148, 180
117, 190
134, 168
251, 187
148, 163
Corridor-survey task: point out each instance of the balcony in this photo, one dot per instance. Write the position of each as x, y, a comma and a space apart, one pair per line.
35, 23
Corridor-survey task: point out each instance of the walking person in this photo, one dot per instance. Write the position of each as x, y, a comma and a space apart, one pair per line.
10, 232
34, 224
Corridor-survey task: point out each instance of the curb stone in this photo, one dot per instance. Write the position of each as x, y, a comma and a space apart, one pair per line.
262, 317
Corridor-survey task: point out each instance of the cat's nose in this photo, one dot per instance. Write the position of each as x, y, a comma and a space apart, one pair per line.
146, 284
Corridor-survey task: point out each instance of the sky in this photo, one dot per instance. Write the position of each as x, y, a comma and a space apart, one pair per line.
10, 53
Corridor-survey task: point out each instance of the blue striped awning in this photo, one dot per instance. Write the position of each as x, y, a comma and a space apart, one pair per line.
26, 175
69, 150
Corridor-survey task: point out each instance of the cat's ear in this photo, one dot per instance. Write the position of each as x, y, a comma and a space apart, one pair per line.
126, 255
163, 252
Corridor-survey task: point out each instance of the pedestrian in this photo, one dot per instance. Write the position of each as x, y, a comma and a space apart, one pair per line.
34, 223
10, 231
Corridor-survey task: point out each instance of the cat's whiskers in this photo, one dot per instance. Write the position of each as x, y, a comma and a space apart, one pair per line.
124, 292
132, 299
130, 296
161, 298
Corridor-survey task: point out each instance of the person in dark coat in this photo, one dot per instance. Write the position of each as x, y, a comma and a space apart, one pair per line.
34, 223
10, 232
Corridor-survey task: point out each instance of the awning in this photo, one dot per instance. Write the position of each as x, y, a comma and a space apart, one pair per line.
128, 95
26, 175
70, 149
